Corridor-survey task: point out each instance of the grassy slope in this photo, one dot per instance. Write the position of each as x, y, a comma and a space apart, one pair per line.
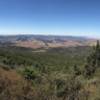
51, 78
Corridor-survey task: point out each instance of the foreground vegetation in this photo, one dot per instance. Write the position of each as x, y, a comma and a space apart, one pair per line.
57, 74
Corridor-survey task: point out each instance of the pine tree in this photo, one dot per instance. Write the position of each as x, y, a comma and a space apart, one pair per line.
93, 61
76, 70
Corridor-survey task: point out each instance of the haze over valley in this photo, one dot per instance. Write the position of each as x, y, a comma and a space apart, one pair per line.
46, 41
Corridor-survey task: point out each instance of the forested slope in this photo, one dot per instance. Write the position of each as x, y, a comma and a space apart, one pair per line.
58, 74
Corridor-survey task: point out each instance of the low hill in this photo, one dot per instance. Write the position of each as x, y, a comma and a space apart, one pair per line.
40, 41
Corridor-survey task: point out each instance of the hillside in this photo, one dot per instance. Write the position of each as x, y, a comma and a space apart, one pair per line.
13, 86
38, 41
58, 74
61, 73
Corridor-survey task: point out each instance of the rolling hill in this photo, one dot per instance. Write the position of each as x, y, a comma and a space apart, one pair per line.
41, 41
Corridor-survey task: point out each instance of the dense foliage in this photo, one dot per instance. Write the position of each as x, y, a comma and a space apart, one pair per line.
56, 74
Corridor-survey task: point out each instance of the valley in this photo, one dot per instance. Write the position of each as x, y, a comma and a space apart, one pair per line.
49, 73
43, 41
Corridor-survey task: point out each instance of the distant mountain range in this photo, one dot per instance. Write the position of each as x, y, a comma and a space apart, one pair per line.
43, 41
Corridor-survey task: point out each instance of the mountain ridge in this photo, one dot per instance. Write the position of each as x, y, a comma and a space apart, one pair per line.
46, 41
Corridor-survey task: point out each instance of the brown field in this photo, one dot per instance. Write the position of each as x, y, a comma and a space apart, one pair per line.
35, 44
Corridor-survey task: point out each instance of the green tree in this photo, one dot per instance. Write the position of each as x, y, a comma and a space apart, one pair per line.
76, 70
29, 74
93, 61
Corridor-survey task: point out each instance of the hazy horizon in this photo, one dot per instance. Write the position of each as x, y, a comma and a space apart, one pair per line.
77, 36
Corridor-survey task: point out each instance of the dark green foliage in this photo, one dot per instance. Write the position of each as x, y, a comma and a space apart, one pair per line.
57, 74
97, 45
53, 58
93, 61
29, 74
76, 70
71, 91
89, 70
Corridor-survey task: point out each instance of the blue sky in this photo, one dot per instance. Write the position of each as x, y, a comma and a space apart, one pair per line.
55, 17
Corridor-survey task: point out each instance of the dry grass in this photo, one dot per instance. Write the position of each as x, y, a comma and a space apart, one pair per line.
14, 87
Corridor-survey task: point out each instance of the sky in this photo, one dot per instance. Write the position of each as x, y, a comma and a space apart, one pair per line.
50, 17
